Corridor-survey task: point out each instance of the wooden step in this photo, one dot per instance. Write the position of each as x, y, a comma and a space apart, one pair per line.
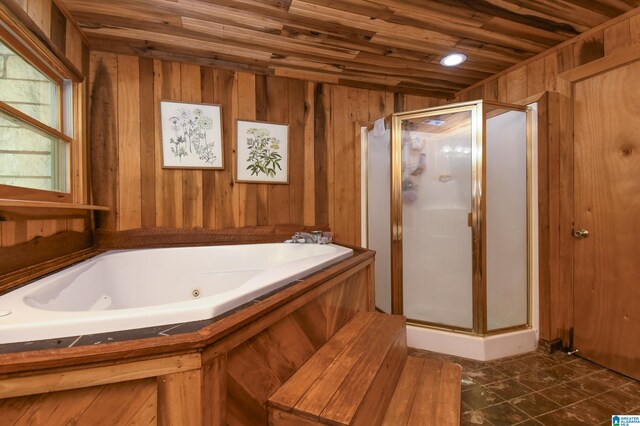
349, 381
428, 393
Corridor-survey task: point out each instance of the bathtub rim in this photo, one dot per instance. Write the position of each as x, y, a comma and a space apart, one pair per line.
279, 303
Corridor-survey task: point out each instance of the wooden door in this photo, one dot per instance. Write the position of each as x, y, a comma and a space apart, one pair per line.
607, 204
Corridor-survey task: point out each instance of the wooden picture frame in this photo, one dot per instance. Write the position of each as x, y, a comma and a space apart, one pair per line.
262, 152
191, 135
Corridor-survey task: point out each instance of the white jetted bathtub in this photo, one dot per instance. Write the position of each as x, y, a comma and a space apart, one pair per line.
127, 289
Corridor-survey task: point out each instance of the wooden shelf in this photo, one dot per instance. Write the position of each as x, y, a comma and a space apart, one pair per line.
48, 205
11, 209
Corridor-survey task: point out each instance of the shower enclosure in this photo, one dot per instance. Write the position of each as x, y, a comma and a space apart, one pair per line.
448, 210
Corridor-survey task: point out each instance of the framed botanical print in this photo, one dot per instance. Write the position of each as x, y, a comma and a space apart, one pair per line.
191, 135
262, 152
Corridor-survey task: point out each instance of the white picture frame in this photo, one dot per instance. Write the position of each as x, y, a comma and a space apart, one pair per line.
262, 152
191, 135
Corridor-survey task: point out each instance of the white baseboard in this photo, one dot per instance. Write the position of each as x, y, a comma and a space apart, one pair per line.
473, 347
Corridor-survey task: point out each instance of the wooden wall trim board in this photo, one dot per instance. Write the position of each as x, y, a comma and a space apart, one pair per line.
95, 376
42, 249
17, 278
171, 237
619, 58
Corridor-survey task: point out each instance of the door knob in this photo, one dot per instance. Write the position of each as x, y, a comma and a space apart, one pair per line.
580, 233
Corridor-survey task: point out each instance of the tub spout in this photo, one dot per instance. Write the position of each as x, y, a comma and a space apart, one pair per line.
315, 237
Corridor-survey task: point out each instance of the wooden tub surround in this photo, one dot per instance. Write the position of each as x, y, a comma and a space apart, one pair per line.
222, 371
220, 374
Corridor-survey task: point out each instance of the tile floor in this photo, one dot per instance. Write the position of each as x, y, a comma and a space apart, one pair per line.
540, 388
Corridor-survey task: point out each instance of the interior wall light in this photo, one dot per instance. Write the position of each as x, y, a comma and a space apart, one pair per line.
453, 59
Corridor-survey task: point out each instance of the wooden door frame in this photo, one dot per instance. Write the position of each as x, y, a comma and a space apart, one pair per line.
561, 294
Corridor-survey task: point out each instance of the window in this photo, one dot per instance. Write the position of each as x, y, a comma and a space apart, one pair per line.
35, 130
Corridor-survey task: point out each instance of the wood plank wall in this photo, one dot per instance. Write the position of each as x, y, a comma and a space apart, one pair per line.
56, 24
523, 83
324, 147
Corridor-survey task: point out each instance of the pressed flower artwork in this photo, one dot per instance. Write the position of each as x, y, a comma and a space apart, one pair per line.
262, 152
191, 135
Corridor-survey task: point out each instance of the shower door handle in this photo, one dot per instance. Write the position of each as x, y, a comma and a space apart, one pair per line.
580, 233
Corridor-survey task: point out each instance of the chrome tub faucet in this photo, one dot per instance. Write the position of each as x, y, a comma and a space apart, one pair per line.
315, 237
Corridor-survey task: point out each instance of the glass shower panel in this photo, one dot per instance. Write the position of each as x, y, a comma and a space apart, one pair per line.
378, 211
436, 207
506, 218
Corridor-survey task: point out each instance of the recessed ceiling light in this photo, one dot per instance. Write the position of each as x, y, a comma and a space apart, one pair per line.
453, 59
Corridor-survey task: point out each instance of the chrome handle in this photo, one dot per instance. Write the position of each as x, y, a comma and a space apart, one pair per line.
580, 233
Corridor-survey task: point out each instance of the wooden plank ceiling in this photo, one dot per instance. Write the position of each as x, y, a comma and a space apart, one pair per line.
385, 44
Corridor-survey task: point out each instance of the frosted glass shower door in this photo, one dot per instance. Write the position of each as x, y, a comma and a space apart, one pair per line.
437, 271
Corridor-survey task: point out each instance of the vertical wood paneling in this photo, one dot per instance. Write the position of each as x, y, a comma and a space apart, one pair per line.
214, 392
490, 90
103, 158
550, 70
517, 85
309, 155
589, 49
247, 193
147, 144
73, 45
176, 391
502, 88
340, 163
322, 100
168, 181
262, 190
207, 83
297, 164
233, 130
192, 203
535, 78
278, 112
224, 186
617, 37
128, 143
40, 12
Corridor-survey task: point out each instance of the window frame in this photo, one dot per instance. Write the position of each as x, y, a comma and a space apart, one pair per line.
21, 41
